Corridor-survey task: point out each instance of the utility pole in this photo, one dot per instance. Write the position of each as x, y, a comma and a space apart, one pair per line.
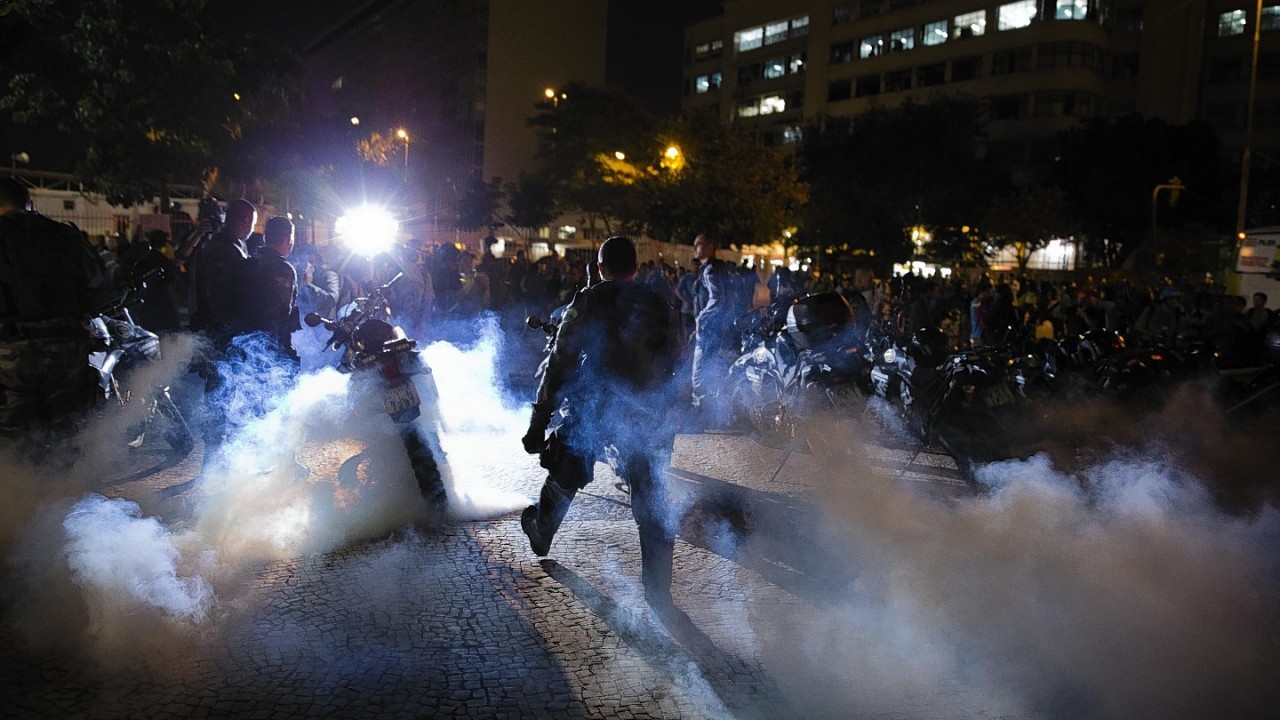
1246, 157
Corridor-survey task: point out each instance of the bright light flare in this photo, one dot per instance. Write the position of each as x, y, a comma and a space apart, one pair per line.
368, 230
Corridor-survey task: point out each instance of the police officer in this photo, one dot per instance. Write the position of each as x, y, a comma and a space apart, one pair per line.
714, 310
273, 309
219, 270
611, 368
50, 280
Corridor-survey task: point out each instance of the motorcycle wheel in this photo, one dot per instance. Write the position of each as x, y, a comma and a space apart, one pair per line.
764, 409
176, 432
426, 470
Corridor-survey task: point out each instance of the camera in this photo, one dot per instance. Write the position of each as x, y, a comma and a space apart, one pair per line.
211, 212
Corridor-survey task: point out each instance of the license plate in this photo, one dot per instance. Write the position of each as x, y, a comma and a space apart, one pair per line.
399, 398
844, 398
997, 395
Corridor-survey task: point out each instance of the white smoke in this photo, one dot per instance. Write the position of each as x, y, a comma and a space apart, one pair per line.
94, 575
1118, 593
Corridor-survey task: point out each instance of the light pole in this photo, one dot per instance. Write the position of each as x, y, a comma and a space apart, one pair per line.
404, 135
1174, 186
1245, 157
14, 159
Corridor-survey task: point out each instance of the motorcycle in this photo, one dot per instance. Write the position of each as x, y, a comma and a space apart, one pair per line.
117, 346
967, 402
814, 364
385, 359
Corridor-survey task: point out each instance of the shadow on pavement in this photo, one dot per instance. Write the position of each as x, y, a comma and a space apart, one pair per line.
673, 645
778, 536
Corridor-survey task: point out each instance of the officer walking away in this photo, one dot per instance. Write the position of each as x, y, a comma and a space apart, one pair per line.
274, 310
611, 367
49, 283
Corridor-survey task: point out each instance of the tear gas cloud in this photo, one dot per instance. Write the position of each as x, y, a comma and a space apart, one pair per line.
1120, 590
1115, 590
96, 574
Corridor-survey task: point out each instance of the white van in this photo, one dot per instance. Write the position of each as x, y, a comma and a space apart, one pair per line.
1256, 267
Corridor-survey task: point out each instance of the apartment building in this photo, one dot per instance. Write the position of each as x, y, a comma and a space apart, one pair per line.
1037, 66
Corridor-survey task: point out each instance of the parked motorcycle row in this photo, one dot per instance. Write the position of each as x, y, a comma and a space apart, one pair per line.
808, 359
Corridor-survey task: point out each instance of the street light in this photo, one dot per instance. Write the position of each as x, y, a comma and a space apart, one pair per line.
14, 159
404, 135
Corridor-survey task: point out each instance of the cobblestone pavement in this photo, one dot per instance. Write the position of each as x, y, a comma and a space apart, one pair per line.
462, 620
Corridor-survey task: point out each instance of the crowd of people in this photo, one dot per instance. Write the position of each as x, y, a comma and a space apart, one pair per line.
643, 351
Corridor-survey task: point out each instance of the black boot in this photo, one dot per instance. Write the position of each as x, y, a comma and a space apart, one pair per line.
656, 552
541, 521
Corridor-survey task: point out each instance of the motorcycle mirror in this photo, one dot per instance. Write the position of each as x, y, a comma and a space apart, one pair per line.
313, 319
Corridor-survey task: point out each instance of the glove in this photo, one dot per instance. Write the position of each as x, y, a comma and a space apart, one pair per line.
535, 440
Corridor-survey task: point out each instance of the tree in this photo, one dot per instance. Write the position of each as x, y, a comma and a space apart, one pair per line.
875, 176
1109, 170
1027, 221
531, 204
726, 184
582, 131
145, 90
478, 204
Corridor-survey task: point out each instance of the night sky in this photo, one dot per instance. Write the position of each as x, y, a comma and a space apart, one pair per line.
644, 54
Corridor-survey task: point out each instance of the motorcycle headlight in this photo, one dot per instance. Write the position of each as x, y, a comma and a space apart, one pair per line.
890, 356
368, 230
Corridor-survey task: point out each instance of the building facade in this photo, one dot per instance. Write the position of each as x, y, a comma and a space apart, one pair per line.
1037, 66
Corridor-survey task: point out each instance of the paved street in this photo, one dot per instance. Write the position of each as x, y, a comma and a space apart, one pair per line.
361, 607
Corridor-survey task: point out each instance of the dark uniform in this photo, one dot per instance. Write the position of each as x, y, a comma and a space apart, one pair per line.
219, 268
609, 376
714, 310
274, 311
50, 280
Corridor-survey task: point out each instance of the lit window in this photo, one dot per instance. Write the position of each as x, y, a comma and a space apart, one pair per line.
871, 47
766, 105
1016, 15
707, 83
969, 25
775, 32
336, 84
774, 69
800, 26
1271, 18
792, 135
1231, 23
795, 63
749, 39
934, 33
1071, 9
902, 40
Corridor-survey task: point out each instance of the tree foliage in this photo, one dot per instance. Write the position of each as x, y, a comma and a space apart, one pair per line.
148, 91
1027, 220
875, 176
605, 155
727, 184
1109, 170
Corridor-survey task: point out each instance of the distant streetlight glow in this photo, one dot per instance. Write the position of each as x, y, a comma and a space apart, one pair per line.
404, 135
355, 120
620, 155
